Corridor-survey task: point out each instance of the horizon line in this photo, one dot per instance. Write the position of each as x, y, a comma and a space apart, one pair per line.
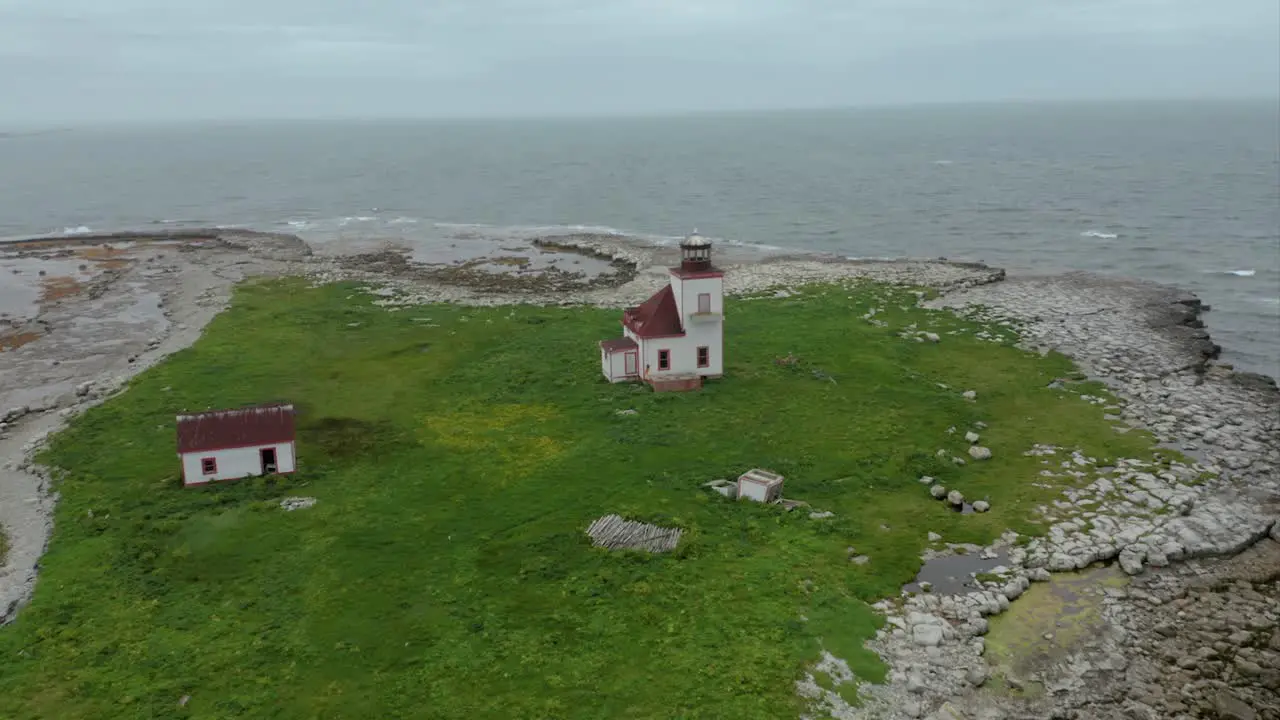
37, 128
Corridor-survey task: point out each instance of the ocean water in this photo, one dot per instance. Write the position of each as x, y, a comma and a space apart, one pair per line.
1183, 193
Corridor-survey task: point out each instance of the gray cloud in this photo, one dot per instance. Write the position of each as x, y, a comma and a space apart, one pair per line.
88, 60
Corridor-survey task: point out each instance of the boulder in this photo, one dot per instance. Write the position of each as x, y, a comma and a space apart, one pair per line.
970, 395
955, 497
1131, 561
290, 504
947, 712
981, 506
977, 452
927, 635
972, 437
1230, 707
938, 492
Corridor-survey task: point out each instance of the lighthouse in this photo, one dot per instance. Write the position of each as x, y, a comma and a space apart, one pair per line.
675, 339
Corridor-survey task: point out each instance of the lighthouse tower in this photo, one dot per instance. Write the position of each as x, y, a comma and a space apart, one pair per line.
675, 338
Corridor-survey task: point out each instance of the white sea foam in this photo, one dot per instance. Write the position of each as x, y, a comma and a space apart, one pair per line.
77, 230
1099, 235
1242, 273
942, 162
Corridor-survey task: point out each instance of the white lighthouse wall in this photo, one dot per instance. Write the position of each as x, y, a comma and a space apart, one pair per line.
687, 291
684, 351
235, 463
708, 332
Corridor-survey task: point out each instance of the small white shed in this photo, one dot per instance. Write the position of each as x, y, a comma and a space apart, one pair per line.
760, 485
234, 444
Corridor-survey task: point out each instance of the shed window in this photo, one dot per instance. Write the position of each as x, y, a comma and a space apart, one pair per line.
704, 357
704, 302
664, 359
209, 465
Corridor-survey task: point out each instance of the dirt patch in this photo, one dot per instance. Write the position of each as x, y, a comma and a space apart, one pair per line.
347, 437
13, 341
106, 256
58, 287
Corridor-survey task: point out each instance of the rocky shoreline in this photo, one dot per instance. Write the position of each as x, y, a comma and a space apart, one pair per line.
1146, 342
1168, 525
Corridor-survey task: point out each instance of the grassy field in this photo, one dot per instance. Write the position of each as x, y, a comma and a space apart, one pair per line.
458, 454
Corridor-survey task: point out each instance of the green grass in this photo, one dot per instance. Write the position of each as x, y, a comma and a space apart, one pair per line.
458, 454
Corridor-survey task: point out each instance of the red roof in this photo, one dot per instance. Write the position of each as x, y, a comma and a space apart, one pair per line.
656, 317
242, 427
618, 344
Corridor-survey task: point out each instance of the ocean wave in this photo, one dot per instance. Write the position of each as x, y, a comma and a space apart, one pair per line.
1241, 273
77, 230
1099, 235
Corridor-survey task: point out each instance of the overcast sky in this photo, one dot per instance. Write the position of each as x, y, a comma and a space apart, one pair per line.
77, 61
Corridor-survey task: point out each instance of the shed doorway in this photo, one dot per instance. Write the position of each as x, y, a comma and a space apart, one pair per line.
268, 456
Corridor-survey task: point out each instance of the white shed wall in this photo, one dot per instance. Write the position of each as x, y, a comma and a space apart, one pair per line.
235, 463
614, 365
753, 491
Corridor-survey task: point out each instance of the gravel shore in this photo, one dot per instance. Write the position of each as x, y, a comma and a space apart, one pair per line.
1190, 536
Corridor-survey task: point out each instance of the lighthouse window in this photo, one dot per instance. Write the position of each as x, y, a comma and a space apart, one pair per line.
664, 359
704, 357
704, 302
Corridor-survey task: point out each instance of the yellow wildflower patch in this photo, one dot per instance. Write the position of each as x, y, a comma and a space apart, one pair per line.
515, 434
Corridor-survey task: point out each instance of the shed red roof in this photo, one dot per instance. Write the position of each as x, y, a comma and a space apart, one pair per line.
656, 317
241, 427
618, 344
